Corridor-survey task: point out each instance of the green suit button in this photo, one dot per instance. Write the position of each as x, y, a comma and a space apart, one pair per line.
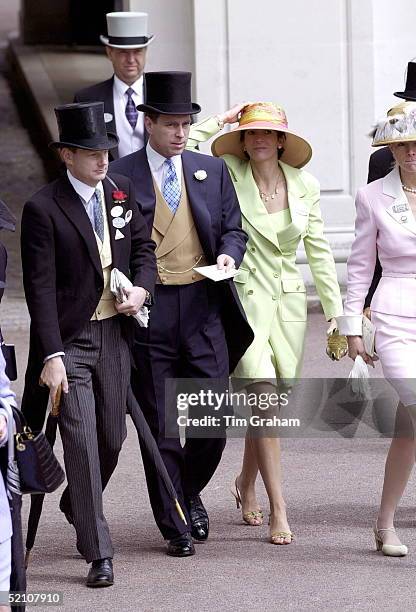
274, 298
253, 249
275, 274
253, 270
250, 292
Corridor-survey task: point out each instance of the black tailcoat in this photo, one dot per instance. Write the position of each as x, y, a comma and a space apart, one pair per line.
62, 272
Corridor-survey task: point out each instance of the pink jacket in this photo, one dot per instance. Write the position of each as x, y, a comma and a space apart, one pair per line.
384, 223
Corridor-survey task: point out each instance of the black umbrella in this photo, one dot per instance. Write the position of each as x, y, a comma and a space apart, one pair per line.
143, 429
147, 438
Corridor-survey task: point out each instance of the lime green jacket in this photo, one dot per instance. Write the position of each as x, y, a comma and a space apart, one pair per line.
268, 276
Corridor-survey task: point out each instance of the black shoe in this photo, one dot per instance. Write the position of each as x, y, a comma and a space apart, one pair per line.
101, 573
181, 546
199, 518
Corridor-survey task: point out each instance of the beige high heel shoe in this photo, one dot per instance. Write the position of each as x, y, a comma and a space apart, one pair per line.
390, 550
254, 518
281, 535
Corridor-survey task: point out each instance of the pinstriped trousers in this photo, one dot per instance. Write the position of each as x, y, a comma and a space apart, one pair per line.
92, 423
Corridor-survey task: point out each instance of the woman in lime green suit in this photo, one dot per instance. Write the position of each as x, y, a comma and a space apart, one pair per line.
280, 207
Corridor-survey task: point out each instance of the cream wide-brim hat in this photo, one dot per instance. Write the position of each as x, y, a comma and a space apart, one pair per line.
398, 126
264, 116
127, 30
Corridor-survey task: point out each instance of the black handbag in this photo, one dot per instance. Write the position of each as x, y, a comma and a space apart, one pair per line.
39, 469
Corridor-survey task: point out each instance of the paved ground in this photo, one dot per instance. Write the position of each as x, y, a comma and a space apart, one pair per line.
332, 488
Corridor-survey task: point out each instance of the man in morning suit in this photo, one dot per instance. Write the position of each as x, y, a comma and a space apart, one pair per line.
381, 162
126, 48
198, 328
74, 231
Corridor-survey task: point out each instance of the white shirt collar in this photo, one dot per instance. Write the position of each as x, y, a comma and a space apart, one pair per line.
156, 160
121, 87
84, 191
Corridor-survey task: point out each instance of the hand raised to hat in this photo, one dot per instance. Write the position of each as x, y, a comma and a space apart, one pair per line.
233, 114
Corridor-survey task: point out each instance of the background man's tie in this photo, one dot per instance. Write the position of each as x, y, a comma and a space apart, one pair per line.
171, 189
131, 111
98, 215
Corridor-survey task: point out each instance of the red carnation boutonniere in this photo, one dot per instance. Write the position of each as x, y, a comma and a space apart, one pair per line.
119, 197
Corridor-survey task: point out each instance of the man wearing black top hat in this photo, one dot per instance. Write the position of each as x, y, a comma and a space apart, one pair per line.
198, 328
126, 47
381, 162
74, 231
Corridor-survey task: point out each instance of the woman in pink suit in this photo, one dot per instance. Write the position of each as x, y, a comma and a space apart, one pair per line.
386, 223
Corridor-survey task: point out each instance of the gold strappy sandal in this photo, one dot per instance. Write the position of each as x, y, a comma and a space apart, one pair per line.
282, 535
254, 518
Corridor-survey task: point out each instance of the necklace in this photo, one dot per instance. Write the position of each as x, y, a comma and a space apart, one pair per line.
409, 189
266, 196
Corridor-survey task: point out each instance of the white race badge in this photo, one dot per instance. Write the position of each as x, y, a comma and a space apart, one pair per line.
116, 211
108, 117
128, 216
119, 223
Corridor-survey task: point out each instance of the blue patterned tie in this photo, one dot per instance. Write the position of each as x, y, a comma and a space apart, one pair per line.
131, 111
171, 189
98, 215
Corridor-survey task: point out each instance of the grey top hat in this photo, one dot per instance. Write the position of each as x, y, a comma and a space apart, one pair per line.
127, 30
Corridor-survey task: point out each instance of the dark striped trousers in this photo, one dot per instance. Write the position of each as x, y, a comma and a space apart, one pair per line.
92, 423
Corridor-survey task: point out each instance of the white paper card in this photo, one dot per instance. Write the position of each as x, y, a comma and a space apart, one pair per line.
214, 274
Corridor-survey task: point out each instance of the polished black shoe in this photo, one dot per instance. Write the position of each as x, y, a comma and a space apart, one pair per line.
101, 573
182, 546
199, 518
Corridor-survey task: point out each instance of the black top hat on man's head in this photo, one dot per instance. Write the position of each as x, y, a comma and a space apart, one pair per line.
82, 126
410, 91
168, 93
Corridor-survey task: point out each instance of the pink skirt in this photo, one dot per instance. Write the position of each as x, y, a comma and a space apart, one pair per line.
396, 348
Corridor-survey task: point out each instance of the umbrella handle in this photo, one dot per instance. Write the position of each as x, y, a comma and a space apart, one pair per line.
180, 511
56, 402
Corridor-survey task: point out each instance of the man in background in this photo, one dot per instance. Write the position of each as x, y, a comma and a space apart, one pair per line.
126, 47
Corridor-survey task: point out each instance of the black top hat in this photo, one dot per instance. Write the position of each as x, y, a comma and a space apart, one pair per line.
410, 91
82, 126
168, 93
